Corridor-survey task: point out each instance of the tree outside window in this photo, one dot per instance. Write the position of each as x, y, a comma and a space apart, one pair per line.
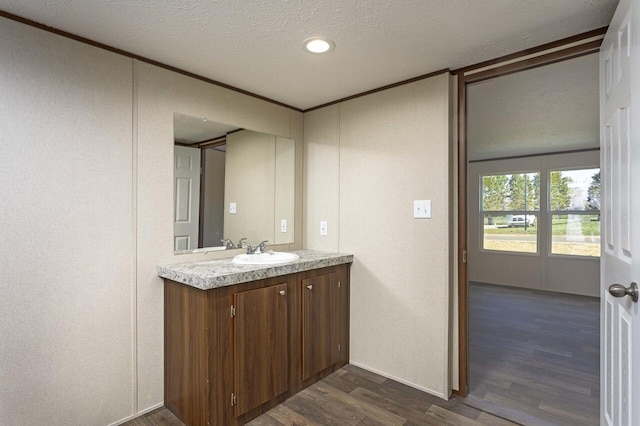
510, 206
575, 212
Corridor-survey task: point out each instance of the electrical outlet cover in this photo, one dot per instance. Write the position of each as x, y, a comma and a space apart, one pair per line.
323, 227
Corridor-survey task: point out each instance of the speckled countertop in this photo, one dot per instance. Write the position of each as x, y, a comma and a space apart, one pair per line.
222, 272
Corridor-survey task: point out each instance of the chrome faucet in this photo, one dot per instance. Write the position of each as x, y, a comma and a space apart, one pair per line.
262, 246
241, 243
228, 244
258, 249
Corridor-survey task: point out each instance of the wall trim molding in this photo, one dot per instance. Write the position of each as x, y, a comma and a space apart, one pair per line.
398, 379
380, 89
125, 53
138, 414
134, 232
578, 38
532, 51
542, 154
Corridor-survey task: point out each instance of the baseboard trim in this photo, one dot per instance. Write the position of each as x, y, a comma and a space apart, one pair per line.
138, 414
397, 379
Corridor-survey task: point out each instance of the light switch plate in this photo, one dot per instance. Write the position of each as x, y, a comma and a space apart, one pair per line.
323, 227
232, 208
283, 225
422, 209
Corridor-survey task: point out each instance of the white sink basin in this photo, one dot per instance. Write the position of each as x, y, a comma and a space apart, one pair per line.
270, 258
208, 249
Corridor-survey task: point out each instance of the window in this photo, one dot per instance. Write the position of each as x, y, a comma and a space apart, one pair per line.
510, 207
574, 204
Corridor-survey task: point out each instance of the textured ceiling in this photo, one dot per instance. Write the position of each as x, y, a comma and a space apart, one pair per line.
546, 109
187, 129
257, 45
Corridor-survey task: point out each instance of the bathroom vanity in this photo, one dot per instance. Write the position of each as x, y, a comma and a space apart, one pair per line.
240, 339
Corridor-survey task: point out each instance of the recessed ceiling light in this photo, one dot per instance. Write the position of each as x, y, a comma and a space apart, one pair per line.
318, 45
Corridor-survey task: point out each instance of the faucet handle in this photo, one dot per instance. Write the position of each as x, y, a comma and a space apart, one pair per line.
262, 246
240, 243
228, 244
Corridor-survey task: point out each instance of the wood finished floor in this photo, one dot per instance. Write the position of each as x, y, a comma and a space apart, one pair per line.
534, 356
352, 396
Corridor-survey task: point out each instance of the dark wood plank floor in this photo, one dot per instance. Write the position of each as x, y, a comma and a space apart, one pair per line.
352, 396
534, 356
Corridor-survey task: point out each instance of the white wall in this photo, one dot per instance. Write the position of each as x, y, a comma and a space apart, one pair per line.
87, 150
366, 160
575, 275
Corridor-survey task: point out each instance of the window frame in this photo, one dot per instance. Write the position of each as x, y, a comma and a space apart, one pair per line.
482, 213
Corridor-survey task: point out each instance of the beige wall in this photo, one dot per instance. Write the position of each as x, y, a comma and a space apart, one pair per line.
366, 160
260, 180
285, 183
67, 239
88, 175
564, 274
87, 150
322, 178
249, 182
213, 230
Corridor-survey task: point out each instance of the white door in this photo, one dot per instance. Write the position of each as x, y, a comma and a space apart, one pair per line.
620, 162
186, 194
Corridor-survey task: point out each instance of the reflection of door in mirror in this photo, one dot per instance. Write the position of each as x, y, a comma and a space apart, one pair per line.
199, 197
187, 197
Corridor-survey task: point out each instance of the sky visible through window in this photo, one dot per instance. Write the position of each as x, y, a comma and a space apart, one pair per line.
579, 183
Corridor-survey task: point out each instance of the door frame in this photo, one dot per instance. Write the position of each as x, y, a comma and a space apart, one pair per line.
546, 54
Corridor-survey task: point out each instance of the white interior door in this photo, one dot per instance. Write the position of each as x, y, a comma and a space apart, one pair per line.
186, 194
620, 162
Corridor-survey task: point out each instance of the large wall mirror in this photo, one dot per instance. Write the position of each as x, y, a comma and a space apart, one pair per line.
230, 183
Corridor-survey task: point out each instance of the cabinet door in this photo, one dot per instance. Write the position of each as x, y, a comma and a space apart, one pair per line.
343, 314
320, 321
260, 346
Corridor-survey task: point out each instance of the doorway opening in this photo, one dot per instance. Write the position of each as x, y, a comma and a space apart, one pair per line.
529, 233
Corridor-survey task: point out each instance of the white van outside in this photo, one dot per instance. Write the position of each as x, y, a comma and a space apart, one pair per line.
520, 220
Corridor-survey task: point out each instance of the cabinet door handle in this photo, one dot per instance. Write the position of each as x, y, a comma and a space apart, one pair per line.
282, 292
310, 287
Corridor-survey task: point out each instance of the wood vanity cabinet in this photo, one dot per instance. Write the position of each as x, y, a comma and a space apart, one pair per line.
322, 323
260, 346
234, 352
